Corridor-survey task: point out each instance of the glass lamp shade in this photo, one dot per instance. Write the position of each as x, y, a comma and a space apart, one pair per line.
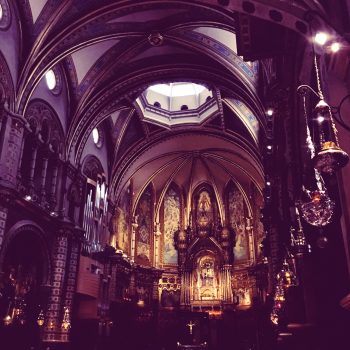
318, 210
286, 277
279, 294
274, 317
7, 320
329, 156
41, 319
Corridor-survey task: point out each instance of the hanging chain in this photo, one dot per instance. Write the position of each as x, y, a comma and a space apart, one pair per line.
309, 142
319, 90
320, 93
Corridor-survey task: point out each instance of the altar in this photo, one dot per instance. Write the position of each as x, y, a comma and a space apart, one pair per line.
193, 347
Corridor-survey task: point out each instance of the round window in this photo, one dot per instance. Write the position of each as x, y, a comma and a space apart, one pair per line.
5, 15
50, 78
97, 137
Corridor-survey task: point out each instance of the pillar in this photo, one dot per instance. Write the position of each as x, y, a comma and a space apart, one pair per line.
43, 174
12, 129
53, 330
185, 296
71, 278
134, 227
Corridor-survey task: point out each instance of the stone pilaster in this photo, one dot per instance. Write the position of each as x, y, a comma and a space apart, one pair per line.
134, 227
185, 296
53, 186
53, 329
71, 280
227, 295
12, 130
3, 219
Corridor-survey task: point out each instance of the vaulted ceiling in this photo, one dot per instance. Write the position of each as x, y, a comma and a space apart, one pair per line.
108, 52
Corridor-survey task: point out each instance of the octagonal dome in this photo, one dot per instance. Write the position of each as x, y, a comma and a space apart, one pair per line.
177, 103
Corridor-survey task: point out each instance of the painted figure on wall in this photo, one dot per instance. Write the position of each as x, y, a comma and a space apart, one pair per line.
120, 224
204, 209
171, 224
144, 229
204, 203
236, 208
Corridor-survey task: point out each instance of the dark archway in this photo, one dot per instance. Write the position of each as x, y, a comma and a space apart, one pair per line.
23, 289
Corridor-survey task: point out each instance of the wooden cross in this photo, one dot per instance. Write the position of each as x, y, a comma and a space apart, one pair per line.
190, 326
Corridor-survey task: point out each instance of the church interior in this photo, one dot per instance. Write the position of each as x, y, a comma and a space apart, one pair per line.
173, 174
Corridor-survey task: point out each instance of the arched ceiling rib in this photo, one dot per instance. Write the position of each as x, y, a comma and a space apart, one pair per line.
71, 25
189, 160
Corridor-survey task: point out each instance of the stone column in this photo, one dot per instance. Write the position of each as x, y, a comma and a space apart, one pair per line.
53, 330
157, 235
30, 179
53, 187
71, 278
3, 218
185, 296
134, 227
44, 173
12, 129
227, 295
155, 291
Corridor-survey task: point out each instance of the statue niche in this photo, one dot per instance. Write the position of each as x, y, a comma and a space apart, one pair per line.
206, 278
205, 209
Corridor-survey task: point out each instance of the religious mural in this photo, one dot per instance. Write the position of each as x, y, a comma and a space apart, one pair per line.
236, 208
171, 224
204, 209
121, 224
144, 229
258, 226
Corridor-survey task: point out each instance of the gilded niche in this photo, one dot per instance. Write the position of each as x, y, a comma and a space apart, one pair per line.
206, 282
204, 212
171, 224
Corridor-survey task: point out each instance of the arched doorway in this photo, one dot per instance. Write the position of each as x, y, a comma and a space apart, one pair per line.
23, 288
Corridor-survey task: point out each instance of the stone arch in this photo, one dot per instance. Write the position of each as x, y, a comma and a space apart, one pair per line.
29, 226
100, 108
6, 83
91, 167
47, 122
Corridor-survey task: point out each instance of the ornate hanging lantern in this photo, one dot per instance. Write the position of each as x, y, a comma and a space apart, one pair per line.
286, 277
329, 156
66, 319
317, 208
41, 319
7, 320
274, 317
298, 239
